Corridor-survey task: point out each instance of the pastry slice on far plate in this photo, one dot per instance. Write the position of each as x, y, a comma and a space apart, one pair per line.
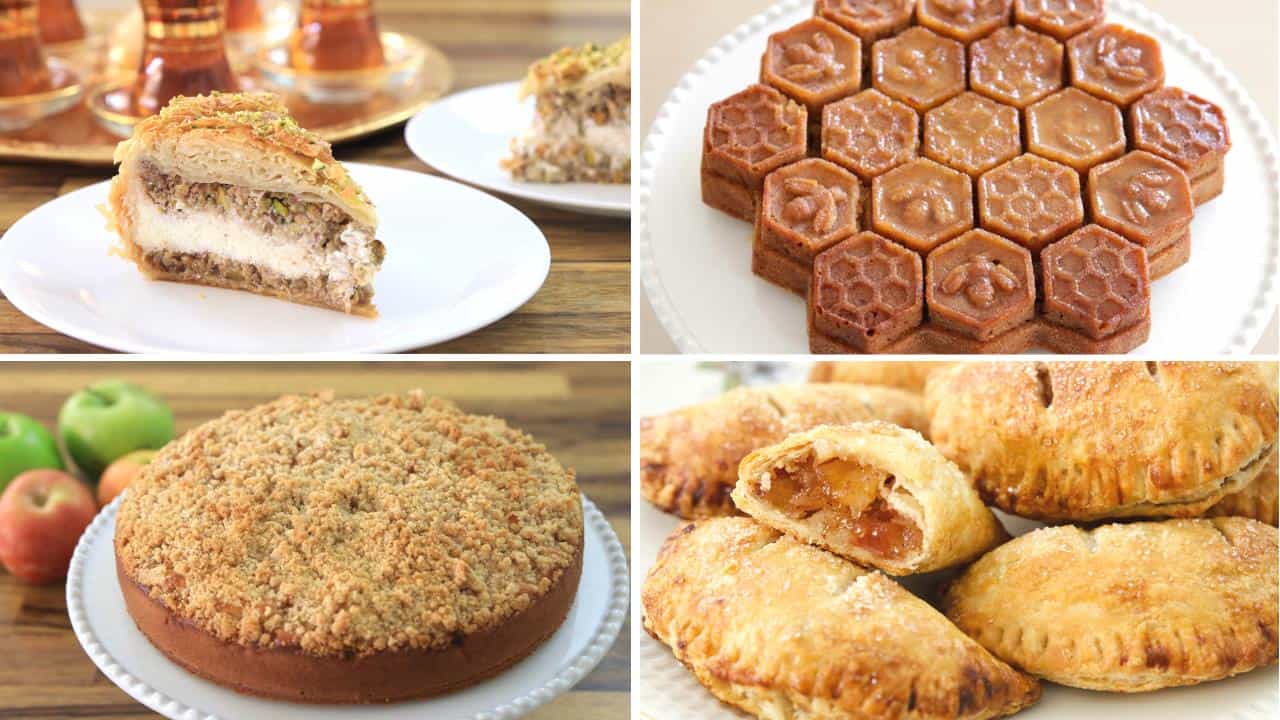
1127, 607
872, 492
787, 631
227, 190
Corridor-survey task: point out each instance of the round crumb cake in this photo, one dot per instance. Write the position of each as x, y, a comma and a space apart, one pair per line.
350, 551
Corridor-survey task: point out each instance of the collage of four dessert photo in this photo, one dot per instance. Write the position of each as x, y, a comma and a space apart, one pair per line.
925, 367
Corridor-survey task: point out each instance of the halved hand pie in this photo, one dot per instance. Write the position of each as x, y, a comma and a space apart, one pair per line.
1126, 608
1090, 440
689, 458
873, 492
787, 631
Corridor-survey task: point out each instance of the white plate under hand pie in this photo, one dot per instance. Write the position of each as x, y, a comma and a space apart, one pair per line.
696, 262
457, 259
128, 659
467, 134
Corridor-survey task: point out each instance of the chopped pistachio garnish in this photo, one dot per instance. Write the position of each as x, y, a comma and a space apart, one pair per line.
281, 209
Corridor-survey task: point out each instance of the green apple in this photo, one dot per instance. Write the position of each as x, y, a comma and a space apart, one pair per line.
25, 445
110, 419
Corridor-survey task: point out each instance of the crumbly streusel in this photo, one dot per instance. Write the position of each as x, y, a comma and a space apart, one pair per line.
350, 526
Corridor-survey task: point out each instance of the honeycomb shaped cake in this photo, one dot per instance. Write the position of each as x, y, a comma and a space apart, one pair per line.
1000, 174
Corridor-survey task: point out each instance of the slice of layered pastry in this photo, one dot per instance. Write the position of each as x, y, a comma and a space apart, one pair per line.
875, 493
581, 129
787, 631
228, 190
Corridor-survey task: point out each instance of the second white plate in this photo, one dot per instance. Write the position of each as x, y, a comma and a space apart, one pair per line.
457, 260
467, 134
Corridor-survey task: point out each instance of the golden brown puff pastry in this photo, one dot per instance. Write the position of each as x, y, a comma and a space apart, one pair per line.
1091, 440
787, 631
1126, 607
904, 375
689, 458
875, 493
1257, 500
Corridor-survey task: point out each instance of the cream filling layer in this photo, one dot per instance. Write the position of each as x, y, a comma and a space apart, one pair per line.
223, 235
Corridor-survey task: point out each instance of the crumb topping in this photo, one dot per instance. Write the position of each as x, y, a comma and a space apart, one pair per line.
580, 69
350, 526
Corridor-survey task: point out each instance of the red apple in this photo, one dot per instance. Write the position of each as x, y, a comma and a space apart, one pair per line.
120, 474
42, 514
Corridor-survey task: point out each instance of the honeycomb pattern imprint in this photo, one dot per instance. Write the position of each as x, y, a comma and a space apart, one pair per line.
1031, 200
867, 291
918, 67
870, 20
972, 133
815, 62
810, 204
869, 133
1116, 63
1181, 127
1144, 197
1076, 129
1095, 281
756, 126
964, 20
980, 284
922, 204
1060, 18
1016, 66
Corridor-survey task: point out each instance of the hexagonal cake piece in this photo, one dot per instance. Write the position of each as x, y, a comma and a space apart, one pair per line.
1076, 129
1095, 281
870, 134
1115, 63
922, 204
870, 20
918, 67
964, 20
866, 292
1016, 66
972, 133
806, 207
814, 62
1031, 200
1060, 18
980, 285
1145, 198
1187, 130
748, 135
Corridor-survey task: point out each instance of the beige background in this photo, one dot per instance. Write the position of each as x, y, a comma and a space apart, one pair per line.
675, 33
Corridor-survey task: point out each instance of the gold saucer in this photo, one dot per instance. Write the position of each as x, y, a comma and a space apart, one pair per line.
20, 112
404, 55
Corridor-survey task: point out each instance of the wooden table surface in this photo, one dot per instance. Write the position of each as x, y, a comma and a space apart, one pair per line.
579, 410
584, 307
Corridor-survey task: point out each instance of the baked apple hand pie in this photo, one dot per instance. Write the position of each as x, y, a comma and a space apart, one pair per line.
875, 493
1126, 607
689, 458
787, 631
1258, 499
1083, 441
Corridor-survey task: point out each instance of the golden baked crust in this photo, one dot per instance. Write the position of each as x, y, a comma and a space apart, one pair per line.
1126, 607
1258, 499
580, 69
905, 375
1091, 440
241, 139
786, 631
689, 458
350, 527
872, 492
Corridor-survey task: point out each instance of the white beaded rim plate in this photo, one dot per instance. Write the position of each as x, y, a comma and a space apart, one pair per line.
592, 626
755, 312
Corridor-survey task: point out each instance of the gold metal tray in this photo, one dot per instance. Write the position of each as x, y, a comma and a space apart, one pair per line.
76, 137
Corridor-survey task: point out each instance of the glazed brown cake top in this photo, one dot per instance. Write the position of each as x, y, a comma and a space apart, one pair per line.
350, 526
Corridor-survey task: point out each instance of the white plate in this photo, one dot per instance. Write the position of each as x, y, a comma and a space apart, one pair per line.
663, 689
125, 656
457, 260
466, 135
696, 262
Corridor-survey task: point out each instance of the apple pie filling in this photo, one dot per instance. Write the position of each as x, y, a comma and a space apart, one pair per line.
847, 500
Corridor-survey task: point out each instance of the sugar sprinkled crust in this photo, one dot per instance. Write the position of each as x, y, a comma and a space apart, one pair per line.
346, 527
1092, 440
1126, 607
